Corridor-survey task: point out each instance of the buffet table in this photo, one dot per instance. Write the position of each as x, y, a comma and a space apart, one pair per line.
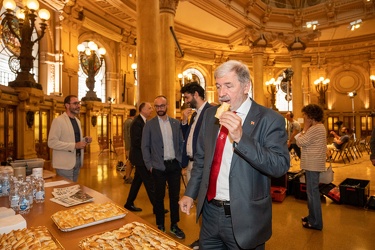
40, 215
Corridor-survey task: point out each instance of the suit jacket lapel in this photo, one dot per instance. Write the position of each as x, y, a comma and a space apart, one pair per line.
214, 131
248, 126
156, 126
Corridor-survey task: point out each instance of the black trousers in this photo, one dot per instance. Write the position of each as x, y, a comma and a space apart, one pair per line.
141, 175
172, 176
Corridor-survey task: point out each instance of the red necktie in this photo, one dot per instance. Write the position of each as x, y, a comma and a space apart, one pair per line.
215, 168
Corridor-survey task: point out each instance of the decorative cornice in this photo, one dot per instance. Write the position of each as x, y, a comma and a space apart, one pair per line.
100, 29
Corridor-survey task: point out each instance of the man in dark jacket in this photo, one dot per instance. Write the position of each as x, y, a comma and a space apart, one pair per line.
135, 156
197, 105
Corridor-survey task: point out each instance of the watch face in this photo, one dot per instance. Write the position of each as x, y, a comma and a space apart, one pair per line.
10, 41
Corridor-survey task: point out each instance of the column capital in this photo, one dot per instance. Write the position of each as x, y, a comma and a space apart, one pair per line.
258, 50
297, 53
168, 6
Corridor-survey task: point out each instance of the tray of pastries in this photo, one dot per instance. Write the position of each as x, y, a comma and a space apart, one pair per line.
33, 238
87, 215
133, 235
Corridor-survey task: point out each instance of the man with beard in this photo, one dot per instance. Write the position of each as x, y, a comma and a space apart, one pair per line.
66, 140
197, 105
162, 152
194, 98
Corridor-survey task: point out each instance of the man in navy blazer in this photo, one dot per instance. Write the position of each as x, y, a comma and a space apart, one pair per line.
239, 215
197, 105
162, 151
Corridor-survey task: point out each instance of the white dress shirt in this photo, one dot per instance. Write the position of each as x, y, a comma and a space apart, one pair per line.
222, 187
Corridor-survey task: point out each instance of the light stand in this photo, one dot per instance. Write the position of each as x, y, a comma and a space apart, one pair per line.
22, 26
110, 100
90, 64
352, 95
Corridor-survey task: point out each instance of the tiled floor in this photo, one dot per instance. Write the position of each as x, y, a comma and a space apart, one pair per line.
345, 226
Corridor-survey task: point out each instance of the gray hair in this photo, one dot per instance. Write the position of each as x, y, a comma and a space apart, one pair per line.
241, 70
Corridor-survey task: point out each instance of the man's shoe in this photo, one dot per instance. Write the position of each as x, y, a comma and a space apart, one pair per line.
195, 244
177, 232
161, 228
132, 208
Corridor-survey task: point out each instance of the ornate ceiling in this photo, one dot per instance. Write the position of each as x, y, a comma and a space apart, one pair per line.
208, 28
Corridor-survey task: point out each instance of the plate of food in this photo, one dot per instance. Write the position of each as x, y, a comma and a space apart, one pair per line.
134, 235
87, 215
29, 238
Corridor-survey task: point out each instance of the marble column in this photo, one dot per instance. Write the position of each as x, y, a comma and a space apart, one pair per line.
297, 94
258, 91
148, 50
168, 62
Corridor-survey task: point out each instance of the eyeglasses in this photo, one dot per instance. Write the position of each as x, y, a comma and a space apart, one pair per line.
160, 106
75, 103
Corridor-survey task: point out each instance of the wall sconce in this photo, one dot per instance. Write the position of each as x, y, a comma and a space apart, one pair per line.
312, 24
355, 24
30, 118
372, 78
352, 94
21, 26
111, 100
180, 78
272, 88
134, 68
90, 64
321, 87
94, 120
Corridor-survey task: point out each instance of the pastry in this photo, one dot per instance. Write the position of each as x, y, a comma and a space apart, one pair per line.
224, 107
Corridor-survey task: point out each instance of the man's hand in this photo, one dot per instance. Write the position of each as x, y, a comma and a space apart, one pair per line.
186, 203
185, 114
81, 144
233, 123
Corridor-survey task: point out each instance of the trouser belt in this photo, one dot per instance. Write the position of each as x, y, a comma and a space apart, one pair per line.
224, 204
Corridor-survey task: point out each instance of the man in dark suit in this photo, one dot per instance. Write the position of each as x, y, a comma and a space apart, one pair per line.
162, 148
135, 157
232, 185
197, 105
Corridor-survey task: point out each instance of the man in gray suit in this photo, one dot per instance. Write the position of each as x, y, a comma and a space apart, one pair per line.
162, 153
236, 205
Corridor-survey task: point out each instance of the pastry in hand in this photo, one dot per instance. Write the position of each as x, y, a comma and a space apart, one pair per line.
224, 107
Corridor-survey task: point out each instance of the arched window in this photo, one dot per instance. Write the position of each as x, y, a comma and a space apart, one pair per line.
193, 75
